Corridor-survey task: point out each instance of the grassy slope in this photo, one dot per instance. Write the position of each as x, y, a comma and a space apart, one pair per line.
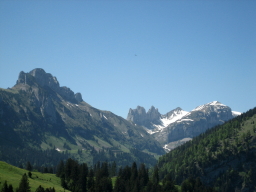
13, 176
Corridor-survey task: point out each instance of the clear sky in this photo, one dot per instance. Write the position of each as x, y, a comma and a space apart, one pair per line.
121, 54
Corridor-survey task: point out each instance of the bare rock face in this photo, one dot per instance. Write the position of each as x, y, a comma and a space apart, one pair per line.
43, 100
78, 97
153, 115
140, 117
137, 116
46, 80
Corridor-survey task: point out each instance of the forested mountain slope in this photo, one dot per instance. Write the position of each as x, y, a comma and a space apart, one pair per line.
223, 157
40, 119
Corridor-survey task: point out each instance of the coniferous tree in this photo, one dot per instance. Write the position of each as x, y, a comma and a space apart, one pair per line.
113, 169
83, 177
119, 185
155, 176
5, 187
40, 189
90, 182
60, 169
10, 188
143, 176
168, 184
29, 174
29, 166
134, 172
63, 182
24, 184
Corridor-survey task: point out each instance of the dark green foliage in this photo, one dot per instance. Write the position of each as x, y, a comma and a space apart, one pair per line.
192, 185
29, 174
10, 188
83, 177
143, 176
60, 169
24, 184
168, 184
155, 179
19, 156
137, 180
40, 189
29, 166
91, 182
228, 146
5, 187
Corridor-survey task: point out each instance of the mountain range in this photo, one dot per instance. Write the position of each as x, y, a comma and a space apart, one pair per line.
44, 123
178, 126
37, 113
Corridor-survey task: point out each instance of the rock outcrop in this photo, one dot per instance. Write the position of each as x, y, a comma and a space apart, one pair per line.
140, 117
46, 80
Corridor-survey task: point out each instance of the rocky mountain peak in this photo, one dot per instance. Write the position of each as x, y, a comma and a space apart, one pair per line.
214, 105
153, 114
137, 115
173, 112
140, 110
46, 80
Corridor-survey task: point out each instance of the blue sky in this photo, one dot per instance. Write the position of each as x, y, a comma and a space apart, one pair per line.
121, 54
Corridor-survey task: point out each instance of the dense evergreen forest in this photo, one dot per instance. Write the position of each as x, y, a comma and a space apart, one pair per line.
106, 177
223, 157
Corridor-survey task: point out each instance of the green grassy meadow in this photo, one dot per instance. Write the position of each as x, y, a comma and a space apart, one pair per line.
13, 175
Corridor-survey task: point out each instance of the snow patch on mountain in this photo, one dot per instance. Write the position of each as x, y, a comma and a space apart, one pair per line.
165, 120
216, 104
236, 113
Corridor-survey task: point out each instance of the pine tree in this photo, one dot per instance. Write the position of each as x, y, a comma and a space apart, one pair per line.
60, 169
24, 184
83, 177
40, 189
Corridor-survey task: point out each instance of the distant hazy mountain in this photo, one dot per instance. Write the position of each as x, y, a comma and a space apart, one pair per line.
39, 114
179, 126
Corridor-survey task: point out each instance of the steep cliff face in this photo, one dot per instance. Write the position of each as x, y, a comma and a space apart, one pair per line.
138, 115
46, 80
